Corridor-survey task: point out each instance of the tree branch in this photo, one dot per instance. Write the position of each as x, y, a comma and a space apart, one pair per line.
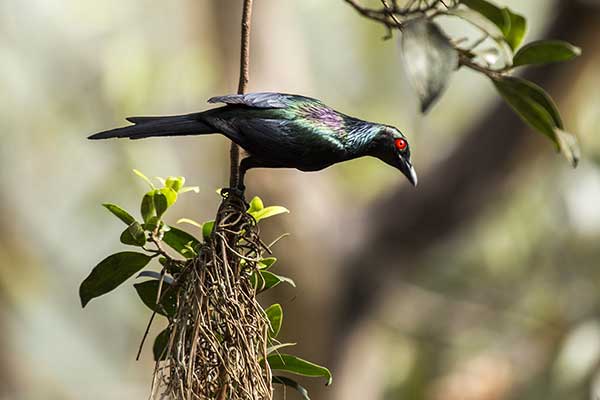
455, 191
234, 152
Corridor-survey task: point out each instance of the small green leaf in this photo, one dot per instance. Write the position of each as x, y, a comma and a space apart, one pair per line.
518, 29
275, 316
119, 213
545, 52
531, 103
207, 229
256, 204
160, 204
147, 208
185, 189
152, 224
170, 194
497, 15
569, 146
148, 291
159, 349
272, 349
267, 262
161, 180
175, 183
268, 212
282, 380
298, 366
189, 221
145, 178
267, 280
178, 240
110, 273
134, 235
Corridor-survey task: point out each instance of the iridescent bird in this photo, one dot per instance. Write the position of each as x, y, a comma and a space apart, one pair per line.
281, 131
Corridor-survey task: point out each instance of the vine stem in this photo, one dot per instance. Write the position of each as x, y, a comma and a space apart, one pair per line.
234, 152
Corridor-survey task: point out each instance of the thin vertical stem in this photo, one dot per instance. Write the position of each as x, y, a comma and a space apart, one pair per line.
234, 175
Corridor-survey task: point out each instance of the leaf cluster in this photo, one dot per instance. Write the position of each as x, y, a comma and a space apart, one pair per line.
174, 249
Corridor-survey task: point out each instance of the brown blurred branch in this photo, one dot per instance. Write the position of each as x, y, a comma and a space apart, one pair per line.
405, 224
244, 78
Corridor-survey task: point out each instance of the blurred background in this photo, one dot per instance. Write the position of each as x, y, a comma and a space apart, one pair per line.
481, 284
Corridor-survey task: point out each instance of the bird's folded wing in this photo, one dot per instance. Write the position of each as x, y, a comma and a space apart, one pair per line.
257, 100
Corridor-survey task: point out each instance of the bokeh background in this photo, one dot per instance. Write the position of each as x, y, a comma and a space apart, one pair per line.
482, 284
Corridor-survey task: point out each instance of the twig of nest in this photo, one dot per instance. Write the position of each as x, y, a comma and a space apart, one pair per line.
219, 332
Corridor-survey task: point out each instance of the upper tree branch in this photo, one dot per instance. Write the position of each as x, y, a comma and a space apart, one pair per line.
234, 175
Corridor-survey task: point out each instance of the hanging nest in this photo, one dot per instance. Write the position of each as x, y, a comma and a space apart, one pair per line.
219, 332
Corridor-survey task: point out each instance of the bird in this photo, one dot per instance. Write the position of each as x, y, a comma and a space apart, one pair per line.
279, 130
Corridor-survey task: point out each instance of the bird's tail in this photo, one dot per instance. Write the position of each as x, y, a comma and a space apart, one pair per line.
178, 125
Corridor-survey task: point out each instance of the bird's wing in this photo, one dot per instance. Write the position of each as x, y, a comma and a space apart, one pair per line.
256, 100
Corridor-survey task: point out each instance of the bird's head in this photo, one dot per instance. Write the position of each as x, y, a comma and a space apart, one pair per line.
391, 147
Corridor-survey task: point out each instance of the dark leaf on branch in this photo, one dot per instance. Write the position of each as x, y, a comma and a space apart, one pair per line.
134, 235
110, 273
282, 380
181, 241
545, 52
298, 366
275, 316
160, 345
148, 292
120, 213
537, 109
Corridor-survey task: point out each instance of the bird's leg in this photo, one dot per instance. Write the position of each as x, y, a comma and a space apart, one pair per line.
245, 165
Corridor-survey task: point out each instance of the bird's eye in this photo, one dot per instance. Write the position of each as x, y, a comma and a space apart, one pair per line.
401, 144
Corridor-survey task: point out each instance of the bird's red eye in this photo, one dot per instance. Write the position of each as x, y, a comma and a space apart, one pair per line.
401, 144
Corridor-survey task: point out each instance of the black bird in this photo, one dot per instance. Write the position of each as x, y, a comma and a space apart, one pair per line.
282, 131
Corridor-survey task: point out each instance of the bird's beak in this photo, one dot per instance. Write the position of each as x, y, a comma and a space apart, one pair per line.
408, 171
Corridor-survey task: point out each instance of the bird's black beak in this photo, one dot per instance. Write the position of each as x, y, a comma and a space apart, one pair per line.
408, 171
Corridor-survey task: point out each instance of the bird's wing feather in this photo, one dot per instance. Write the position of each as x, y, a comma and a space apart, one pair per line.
256, 100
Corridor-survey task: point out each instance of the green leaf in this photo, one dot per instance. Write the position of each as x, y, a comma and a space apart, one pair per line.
153, 223
499, 16
268, 212
267, 280
189, 221
119, 213
175, 183
267, 262
185, 189
429, 59
179, 241
134, 235
159, 349
569, 146
298, 366
282, 380
147, 208
207, 229
272, 349
170, 194
148, 291
256, 204
531, 103
518, 29
160, 204
275, 316
145, 178
545, 52
110, 273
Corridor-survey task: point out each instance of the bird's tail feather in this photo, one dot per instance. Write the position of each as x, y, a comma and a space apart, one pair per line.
179, 125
